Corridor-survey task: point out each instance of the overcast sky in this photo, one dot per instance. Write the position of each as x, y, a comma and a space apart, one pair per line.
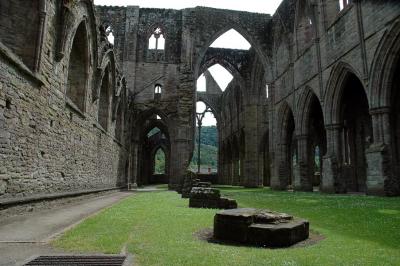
230, 39
260, 6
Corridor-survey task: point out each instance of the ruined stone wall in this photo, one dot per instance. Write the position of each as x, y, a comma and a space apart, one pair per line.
47, 146
343, 42
19, 26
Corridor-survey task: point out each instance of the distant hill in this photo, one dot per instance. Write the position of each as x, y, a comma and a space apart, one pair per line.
208, 149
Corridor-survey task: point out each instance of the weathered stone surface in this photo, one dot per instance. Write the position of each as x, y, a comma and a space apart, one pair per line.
190, 181
259, 227
204, 193
201, 197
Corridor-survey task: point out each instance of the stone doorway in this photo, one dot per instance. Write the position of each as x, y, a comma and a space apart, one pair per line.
356, 134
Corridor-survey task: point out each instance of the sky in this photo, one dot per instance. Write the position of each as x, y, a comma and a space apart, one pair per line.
259, 6
231, 39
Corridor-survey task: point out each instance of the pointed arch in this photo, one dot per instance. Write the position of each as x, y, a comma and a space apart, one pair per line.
285, 114
218, 33
304, 104
72, 15
339, 75
105, 100
107, 61
78, 69
230, 35
305, 29
286, 148
384, 66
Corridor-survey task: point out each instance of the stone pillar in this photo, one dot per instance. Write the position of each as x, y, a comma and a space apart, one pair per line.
331, 164
235, 174
220, 158
251, 176
281, 171
178, 163
381, 179
301, 172
230, 171
133, 166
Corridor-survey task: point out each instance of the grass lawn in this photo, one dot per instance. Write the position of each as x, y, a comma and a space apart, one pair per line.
158, 228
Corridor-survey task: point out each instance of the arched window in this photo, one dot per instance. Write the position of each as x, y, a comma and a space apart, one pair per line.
158, 89
104, 101
78, 69
231, 40
343, 4
222, 76
305, 31
159, 162
118, 124
157, 92
153, 132
201, 83
157, 40
110, 35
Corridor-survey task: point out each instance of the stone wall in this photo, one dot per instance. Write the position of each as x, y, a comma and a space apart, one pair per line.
47, 145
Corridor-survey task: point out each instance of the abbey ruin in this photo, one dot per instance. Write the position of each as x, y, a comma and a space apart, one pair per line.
321, 80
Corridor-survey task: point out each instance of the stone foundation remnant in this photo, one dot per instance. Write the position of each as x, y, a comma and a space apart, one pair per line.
259, 227
189, 182
206, 197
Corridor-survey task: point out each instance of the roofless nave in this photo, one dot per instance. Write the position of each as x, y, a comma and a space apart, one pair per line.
75, 110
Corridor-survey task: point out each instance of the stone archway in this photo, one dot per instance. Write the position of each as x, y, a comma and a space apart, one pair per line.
384, 94
349, 130
155, 137
356, 134
286, 152
395, 127
311, 138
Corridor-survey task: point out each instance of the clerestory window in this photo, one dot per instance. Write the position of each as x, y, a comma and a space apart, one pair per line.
343, 4
157, 40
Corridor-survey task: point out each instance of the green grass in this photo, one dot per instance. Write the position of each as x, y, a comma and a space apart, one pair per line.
158, 229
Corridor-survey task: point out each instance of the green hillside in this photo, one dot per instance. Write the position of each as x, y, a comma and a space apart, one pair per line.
208, 149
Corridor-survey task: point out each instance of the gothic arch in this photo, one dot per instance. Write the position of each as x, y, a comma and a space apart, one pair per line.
107, 60
384, 66
213, 106
227, 60
305, 25
78, 75
304, 108
105, 96
72, 15
284, 111
215, 33
286, 148
335, 88
237, 76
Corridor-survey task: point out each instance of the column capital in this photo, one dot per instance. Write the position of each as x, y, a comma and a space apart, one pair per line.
302, 137
333, 126
379, 110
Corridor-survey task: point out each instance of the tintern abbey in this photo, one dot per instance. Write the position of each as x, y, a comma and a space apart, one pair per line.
319, 85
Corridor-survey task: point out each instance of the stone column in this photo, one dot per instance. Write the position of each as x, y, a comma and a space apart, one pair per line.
133, 166
178, 163
235, 174
301, 172
331, 164
380, 176
230, 172
281, 171
251, 176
